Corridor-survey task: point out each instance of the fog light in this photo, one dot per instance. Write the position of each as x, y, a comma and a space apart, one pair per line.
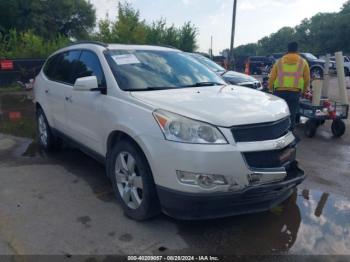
202, 180
187, 177
254, 178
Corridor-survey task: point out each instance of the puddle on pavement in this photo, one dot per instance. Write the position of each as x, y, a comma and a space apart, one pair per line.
17, 118
310, 222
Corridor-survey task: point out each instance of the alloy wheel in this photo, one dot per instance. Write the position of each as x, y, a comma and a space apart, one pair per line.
43, 135
129, 181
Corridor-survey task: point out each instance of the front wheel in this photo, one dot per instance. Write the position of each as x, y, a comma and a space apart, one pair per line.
316, 73
133, 182
310, 128
45, 138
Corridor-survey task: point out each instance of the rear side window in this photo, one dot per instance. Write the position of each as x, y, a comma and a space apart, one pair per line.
89, 65
65, 66
50, 66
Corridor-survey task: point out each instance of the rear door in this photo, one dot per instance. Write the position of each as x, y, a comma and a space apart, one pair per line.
83, 108
60, 84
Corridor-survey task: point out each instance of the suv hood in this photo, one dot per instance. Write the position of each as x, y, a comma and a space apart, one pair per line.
319, 61
221, 106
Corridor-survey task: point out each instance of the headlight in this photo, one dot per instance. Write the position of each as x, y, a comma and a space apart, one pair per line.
182, 129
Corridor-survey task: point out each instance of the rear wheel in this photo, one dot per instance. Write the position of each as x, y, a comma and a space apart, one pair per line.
310, 128
338, 128
133, 182
297, 118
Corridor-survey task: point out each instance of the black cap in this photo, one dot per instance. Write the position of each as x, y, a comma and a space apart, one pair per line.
293, 47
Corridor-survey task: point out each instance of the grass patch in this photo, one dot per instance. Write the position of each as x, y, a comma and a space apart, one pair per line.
25, 127
11, 89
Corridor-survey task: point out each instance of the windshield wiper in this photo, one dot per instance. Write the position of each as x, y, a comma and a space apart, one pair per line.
151, 88
200, 84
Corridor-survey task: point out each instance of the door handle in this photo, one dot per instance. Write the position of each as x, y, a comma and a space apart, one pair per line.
69, 99
46, 91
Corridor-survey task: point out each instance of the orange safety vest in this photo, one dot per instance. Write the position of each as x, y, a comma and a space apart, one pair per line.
290, 76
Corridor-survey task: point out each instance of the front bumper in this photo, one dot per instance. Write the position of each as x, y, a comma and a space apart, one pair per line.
183, 205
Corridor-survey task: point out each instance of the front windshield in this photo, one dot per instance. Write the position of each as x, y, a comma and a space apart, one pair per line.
207, 62
310, 56
154, 69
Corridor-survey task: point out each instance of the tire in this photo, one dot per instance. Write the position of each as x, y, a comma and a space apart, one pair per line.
46, 139
316, 73
338, 128
132, 181
310, 128
297, 119
321, 122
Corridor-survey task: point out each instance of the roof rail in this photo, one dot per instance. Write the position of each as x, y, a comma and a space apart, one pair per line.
89, 42
168, 46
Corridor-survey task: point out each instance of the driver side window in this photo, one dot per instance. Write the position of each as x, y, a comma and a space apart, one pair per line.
89, 65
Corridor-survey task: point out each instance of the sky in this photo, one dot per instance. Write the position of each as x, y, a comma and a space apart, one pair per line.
255, 18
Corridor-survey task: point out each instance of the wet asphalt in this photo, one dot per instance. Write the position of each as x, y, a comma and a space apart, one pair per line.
62, 203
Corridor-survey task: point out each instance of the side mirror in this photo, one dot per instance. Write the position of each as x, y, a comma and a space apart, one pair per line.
88, 83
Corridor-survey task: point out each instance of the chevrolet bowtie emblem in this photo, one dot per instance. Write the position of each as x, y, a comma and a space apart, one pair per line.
280, 144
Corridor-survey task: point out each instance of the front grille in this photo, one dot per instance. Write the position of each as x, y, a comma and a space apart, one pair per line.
261, 132
252, 85
270, 159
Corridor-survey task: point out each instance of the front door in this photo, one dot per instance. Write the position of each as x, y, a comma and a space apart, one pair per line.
60, 85
83, 108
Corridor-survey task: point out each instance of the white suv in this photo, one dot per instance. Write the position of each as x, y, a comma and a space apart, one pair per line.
173, 135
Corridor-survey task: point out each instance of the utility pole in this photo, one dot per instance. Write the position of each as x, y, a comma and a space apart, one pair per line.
231, 60
211, 48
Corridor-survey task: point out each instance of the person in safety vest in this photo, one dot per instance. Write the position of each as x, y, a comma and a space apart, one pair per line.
289, 79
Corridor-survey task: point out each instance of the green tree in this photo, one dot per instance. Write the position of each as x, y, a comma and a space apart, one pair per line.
343, 28
187, 37
171, 37
130, 29
346, 8
159, 34
276, 42
323, 33
29, 45
243, 50
71, 18
156, 31
104, 33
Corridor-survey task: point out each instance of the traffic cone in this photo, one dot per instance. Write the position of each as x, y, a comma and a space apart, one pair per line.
247, 70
